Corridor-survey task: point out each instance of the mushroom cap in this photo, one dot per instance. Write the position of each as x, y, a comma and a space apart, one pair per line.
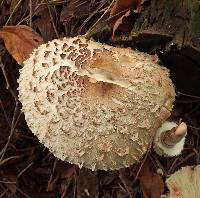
92, 104
184, 183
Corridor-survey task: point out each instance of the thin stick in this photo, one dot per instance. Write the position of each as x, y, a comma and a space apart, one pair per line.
188, 95
23, 193
52, 21
92, 14
24, 170
4, 193
4, 112
36, 10
11, 131
53, 170
7, 182
123, 179
143, 161
31, 13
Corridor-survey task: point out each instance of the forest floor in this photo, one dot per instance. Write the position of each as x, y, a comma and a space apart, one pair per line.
27, 168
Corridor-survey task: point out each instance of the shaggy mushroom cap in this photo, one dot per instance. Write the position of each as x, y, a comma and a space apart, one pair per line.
184, 183
92, 104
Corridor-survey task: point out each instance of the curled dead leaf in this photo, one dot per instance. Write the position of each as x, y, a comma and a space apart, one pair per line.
20, 41
119, 22
122, 13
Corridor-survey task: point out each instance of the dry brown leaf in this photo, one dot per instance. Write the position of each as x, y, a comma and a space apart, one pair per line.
119, 22
121, 16
151, 183
20, 41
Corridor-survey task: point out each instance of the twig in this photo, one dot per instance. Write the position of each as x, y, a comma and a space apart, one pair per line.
36, 10
7, 182
3, 161
11, 130
4, 193
15, 115
143, 161
23, 193
90, 29
24, 170
2, 2
4, 112
172, 166
188, 95
123, 179
8, 87
31, 13
52, 174
92, 14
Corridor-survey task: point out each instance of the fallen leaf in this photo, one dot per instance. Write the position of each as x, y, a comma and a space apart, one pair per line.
119, 22
122, 13
20, 41
151, 183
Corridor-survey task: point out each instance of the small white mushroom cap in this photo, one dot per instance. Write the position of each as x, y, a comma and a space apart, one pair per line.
92, 104
169, 139
184, 183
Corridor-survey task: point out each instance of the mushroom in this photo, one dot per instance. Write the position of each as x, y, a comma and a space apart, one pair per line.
169, 139
184, 183
92, 104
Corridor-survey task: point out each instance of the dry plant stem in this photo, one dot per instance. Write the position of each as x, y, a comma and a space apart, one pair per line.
23, 193
4, 193
15, 119
92, 14
143, 161
8, 87
2, 162
24, 170
53, 170
16, 114
11, 14
173, 136
123, 179
7, 182
188, 95
4, 112
34, 12
52, 21
87, 35
2, 2
31, 12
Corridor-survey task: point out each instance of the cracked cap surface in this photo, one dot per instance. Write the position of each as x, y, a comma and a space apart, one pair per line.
92, 104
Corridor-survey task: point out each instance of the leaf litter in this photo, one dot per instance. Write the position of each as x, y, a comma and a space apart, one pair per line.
27, 169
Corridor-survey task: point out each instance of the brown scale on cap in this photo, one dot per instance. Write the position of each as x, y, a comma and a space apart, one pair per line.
97, 106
